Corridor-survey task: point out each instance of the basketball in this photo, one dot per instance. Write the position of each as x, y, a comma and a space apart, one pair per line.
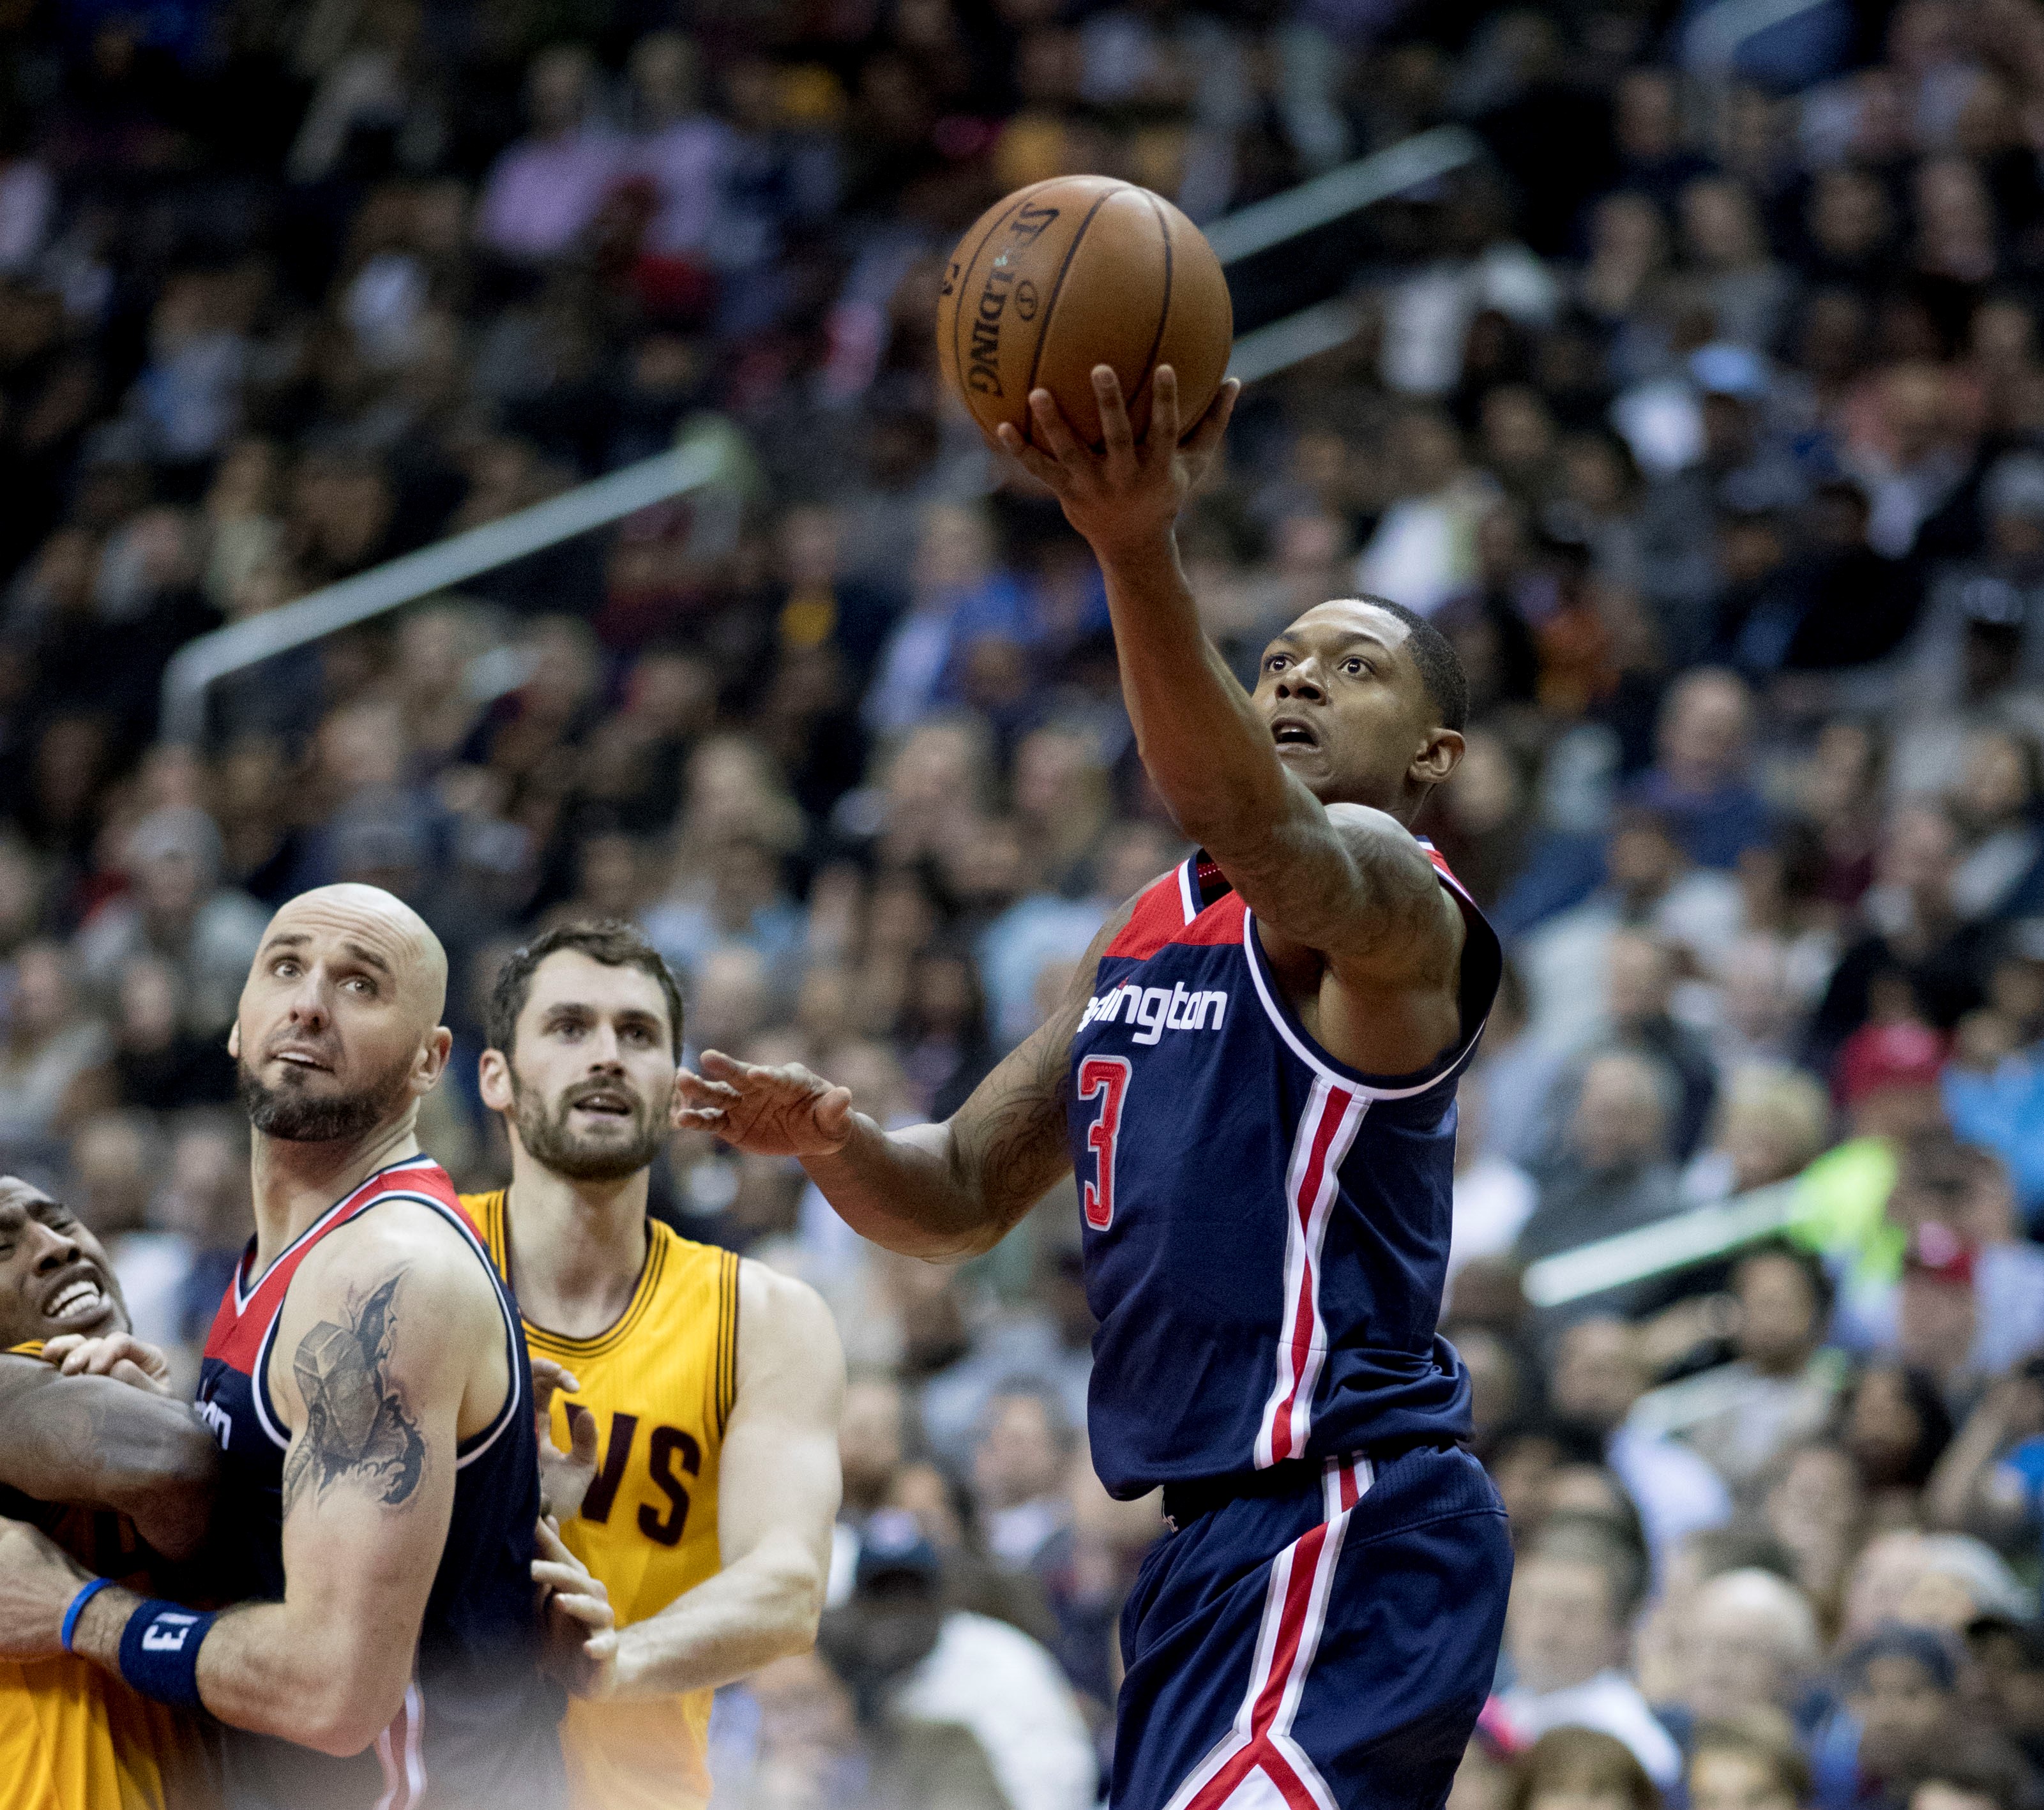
1073, 272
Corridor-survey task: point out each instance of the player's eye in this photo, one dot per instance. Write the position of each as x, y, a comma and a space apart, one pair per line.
285, 969
361, 984
1353, 667
1275, 663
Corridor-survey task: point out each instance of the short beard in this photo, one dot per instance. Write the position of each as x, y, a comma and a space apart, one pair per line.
294, 1117
547, 1140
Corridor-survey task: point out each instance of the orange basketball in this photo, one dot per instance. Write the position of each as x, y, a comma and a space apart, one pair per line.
1073, 272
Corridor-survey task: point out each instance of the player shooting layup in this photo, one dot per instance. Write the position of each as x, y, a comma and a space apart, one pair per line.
1254, 1079
708, 1385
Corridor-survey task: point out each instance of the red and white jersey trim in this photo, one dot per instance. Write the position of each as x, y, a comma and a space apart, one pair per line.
1326, 1131
401, 1750
1257, 1765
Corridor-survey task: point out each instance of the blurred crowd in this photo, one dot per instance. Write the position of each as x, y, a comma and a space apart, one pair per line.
1704, 410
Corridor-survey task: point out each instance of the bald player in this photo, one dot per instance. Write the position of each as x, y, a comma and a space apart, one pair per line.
367, 1379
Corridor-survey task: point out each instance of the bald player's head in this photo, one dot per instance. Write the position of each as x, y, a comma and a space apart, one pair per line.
339, 1029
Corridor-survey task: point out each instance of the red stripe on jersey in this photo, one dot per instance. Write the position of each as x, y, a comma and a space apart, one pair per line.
1159, 916
1304, 1309
1158, 920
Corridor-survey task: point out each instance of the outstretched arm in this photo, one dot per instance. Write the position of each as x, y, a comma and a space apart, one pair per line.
1344, 880
778, 1489
940, 1192
105, 1443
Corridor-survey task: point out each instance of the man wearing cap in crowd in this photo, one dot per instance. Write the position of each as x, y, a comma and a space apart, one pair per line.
176, 908
1887, 1080
922, 1665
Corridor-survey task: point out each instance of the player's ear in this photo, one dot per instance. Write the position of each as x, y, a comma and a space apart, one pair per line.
433, 1058
493, 1077
1439, 756
234, 1039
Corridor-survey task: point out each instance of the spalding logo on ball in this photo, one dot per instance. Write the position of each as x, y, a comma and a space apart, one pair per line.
1073, 272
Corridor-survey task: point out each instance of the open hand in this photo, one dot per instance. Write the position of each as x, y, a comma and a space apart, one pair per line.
1125, 495
580, 1627
119, 1355
769, 1111
564, 1476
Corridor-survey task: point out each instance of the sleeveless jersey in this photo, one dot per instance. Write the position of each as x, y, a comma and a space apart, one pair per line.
478, 1727
73, 1737
660, 1382
1265, 1227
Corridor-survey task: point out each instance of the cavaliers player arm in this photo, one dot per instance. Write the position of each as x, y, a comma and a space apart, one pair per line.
105, 1444
373, 1355
938, 1192
778, 1489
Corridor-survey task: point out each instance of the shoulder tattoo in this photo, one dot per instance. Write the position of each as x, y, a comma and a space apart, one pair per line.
357, 1429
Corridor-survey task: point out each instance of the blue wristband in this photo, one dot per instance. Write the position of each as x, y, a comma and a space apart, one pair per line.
159, 1651
78, 1608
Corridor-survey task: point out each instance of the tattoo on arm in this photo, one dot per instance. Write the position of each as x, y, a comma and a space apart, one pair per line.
1011, 1135
357, 1428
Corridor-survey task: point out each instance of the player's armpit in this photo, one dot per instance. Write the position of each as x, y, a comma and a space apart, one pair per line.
779, 1483
374, 1354
94, 1440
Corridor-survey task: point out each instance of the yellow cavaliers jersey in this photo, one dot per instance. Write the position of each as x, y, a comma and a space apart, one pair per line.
73, 1737
660, 1382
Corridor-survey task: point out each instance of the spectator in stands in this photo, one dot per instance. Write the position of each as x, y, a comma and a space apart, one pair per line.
1573, 1595
52, 1048
1752, 1763
1571, 1767
1018, 1472
545, 189
177, 910
1700, 783
1752, 1647
1901, 1686
1600, 1373
1782, 1386
915, 1663
1613, 1175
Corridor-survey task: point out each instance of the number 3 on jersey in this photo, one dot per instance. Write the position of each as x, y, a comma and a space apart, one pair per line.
1106, 1077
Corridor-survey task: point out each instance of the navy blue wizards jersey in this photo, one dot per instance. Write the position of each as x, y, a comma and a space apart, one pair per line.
479, 1726
1266, 1228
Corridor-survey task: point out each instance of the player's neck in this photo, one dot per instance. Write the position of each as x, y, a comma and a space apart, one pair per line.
577, 1247
295, 1182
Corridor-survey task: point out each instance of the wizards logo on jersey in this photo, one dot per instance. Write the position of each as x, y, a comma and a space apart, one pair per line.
1266, 1228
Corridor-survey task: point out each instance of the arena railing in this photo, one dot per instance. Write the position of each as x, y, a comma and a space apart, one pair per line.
1423, 158
700, 463
1699, 1235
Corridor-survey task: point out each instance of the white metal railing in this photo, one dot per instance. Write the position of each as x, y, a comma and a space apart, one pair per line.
699, 462
1397, 168
1697, 1236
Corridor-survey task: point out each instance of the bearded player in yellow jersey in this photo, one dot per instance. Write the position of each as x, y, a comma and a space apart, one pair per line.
120, 1476
714, 1382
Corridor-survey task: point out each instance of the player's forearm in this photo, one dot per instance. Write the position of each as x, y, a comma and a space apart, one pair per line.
950, 1191
92, 1440
906, 1191
761, 1609
261, 1669
1205, 748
